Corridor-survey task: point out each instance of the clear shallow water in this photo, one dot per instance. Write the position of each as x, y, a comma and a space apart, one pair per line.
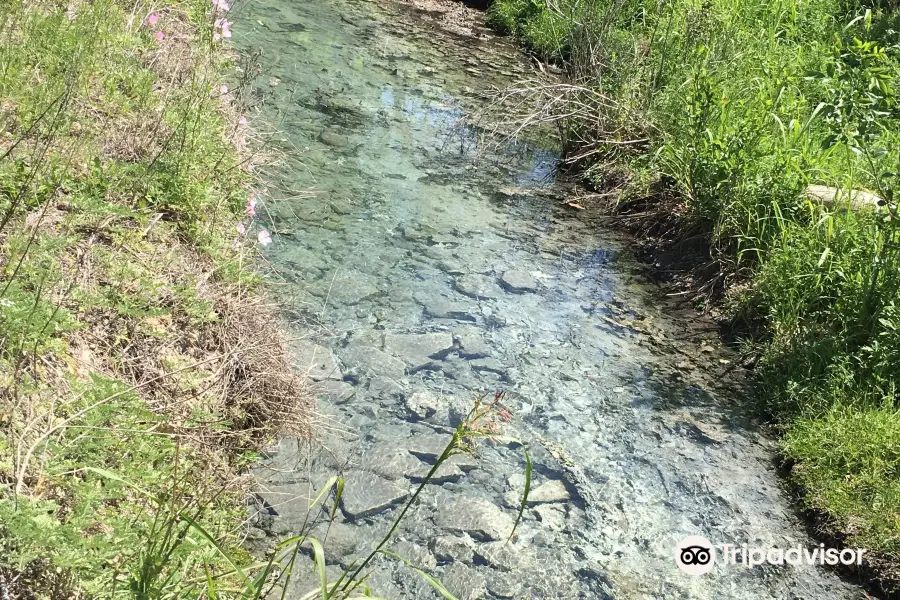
426, 269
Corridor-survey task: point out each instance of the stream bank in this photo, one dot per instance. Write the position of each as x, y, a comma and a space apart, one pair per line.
432, 269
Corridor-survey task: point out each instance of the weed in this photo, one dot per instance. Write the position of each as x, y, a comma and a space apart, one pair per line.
132, 340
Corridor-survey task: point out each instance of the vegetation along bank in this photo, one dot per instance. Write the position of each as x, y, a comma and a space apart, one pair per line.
765, 134
138, 369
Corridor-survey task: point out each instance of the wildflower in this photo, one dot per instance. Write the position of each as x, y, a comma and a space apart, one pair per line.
242, 121
160, 36
220, 5
224, 89
264, 238
240, 228
251, 207
153, 19
224, 27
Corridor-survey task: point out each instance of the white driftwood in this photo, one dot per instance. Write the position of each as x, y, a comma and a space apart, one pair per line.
841, 199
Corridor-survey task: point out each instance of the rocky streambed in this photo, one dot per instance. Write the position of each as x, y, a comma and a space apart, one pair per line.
421, 269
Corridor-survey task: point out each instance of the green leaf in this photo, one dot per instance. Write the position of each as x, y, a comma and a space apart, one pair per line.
319, 558
525, 494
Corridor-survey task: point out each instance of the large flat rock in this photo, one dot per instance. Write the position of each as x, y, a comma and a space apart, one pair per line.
477, 286
366, 495
418, 350
316, 361
471, 342
369, 361
430, 447
347, 288
548, 492
479, 518
519, 282
391, 462
439, 307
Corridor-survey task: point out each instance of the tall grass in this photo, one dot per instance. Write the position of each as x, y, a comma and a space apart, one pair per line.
130, 339
723, 117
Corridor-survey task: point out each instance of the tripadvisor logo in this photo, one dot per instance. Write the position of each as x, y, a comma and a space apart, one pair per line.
696, 555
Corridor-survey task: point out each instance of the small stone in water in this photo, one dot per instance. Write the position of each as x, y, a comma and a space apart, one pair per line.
477, 286
451, 549
519, 282
337, 140
422, 404
551, 491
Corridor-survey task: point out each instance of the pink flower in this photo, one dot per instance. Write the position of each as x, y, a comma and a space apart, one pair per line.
242, 121
251, 207
240, 228
225, 26
221, 5
160, 36
153, 19
264, 238
224, 89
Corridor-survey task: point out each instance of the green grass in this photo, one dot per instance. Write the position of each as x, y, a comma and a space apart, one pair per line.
119, 194
740, 106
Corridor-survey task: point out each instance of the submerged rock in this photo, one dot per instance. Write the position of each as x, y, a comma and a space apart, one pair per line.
489, 365
336, 140
337, 392
551, 516
315, 361
475, 516
498, 555
464, 583
390, 461
439, 307
477, 286
451, 549
369, 361
446, 473
550, 491
471, 342
418, 350
387, 389
366, 495
348, 288
339, 540
519, 282
422, 404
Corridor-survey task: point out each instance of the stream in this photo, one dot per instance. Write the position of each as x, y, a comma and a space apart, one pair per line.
421, 268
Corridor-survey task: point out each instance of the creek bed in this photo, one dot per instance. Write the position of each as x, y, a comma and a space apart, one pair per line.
424, 269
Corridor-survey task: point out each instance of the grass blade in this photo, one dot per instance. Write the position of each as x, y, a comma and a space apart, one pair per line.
524, 495
319, 557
